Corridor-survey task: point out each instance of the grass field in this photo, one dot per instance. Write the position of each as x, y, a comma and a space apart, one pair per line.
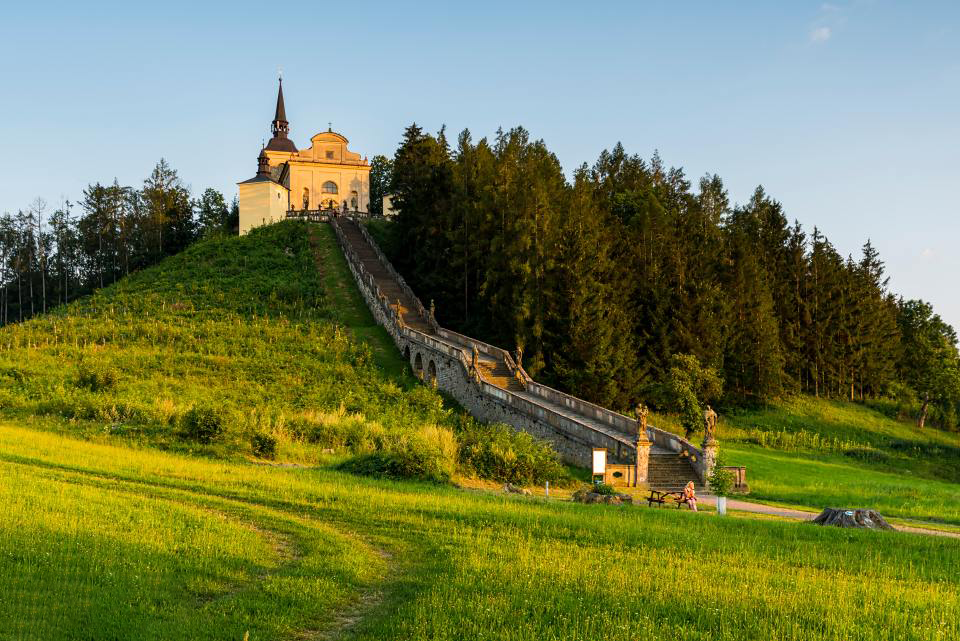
90, 550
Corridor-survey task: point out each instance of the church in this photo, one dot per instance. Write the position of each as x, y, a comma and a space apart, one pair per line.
327, 175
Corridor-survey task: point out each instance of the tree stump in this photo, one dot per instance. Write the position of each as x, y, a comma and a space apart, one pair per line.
864, 519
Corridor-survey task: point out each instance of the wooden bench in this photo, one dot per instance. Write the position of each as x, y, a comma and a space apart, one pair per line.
660, 497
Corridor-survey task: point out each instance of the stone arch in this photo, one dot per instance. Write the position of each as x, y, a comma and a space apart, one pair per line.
418, 366
432, 372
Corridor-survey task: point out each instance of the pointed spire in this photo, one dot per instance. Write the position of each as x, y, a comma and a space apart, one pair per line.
280, 127
281, 115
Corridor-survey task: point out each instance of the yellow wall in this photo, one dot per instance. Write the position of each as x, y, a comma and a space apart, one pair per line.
327, 159
312, 176
261, 203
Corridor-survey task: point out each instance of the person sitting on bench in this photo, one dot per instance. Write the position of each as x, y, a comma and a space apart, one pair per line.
690, 496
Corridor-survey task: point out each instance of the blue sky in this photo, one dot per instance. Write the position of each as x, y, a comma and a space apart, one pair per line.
846, 112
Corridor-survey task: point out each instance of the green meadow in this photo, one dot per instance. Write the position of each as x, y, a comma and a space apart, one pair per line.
174, 464
113, 542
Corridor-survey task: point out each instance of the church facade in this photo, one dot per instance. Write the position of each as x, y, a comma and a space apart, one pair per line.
327, 175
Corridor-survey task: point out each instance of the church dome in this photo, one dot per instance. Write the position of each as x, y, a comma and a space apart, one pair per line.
281, 144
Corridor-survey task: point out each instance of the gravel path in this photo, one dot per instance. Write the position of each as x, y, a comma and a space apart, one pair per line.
801, 515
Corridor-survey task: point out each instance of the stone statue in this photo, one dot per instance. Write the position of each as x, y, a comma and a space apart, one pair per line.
519, 355
476, 358
399, 314
641, 412
433, 310
710, 423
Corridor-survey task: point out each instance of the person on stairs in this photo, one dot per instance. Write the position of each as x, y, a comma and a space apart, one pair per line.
690, 496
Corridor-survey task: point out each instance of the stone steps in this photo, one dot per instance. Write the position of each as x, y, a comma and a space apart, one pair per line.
668, 471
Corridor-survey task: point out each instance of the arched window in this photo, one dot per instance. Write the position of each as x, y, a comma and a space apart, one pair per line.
306, 198
329, 187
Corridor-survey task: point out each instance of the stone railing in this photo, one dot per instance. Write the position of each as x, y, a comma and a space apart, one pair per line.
489, 350
620, 439
313, 215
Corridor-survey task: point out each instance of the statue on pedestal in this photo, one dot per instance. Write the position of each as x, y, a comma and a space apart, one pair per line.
641, 412
710, 424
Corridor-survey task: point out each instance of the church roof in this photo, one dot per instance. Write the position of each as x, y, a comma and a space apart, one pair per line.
281, 144
258, 179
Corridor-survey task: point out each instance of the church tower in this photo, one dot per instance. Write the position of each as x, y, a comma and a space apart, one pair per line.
325, 176
281, 127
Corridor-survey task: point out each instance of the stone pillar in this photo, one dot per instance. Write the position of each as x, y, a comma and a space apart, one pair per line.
708, 461
643, 461
643, 447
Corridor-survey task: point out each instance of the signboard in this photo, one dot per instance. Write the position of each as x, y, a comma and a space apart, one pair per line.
599, 461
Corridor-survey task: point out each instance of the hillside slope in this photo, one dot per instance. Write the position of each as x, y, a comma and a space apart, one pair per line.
248, 326
257, 346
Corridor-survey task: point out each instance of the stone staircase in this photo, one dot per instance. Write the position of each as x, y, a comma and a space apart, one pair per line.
390, 288
667, 469
493, 371
670, 472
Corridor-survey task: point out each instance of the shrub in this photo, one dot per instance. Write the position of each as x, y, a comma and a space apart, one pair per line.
202, 424
721, 481
97, 378
428, 454
604, 489
264, 445
499, 453
867, 454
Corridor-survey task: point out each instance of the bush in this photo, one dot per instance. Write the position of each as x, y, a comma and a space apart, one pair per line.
721, 481
499, 453
868, 454
264, 445
429, 454
202, 424
97, 378
603, 489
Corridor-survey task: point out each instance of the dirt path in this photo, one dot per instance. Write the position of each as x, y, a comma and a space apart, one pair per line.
802, 515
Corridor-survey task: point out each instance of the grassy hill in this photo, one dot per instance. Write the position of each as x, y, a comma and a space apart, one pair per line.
258, 346
142, 498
